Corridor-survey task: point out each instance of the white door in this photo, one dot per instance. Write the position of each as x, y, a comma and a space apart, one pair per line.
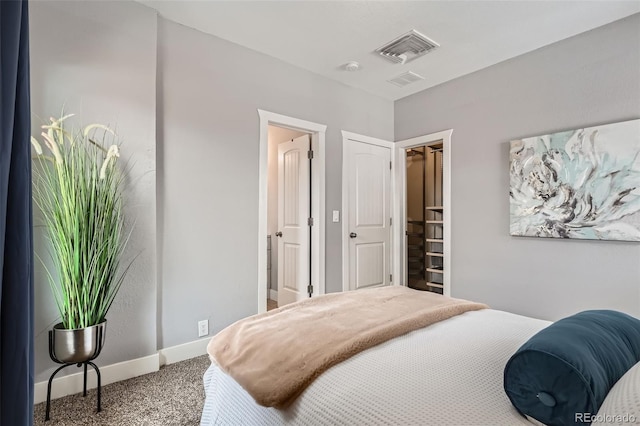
293, 213
369, 204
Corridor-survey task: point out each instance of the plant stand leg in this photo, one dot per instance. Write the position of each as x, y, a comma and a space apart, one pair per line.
46, 416
95, 367
84, 392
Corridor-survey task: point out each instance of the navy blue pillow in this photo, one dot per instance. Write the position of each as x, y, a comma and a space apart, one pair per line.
564, 372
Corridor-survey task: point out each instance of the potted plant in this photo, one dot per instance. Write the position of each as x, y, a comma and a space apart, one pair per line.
77, 187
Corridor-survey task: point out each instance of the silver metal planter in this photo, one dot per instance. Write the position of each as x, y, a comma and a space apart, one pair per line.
78, 345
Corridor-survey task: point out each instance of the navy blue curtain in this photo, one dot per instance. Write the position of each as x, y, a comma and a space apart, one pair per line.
16, 241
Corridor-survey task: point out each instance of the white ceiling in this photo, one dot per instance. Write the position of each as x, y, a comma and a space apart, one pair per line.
321, 36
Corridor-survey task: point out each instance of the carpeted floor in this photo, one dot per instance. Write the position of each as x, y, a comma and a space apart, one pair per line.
172, 396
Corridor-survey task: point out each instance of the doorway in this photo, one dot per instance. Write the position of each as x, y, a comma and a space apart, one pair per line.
423, 179
424, 224
291, 221
288, 210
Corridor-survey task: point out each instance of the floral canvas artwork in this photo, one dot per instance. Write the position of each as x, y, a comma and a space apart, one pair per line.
582, 183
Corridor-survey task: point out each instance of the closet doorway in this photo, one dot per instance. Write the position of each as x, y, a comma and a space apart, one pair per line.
425, 237
425, 181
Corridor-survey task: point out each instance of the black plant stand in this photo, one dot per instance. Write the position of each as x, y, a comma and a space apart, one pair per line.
79, 364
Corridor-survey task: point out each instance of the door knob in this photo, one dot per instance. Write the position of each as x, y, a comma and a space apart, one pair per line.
353, 235
278, 234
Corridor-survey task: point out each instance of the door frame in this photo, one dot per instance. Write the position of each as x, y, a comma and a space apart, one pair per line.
400, 226
347, 139
318, 145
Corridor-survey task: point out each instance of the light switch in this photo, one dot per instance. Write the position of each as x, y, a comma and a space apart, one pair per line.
336, 216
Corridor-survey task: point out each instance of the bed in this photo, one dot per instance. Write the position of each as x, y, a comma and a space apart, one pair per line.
397, 356
449, 373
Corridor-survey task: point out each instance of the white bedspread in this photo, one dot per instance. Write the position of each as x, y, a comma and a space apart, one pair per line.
449, 373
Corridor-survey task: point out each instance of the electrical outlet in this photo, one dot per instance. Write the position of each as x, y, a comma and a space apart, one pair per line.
203, 328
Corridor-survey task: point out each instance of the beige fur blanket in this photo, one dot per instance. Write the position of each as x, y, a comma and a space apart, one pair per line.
274, 356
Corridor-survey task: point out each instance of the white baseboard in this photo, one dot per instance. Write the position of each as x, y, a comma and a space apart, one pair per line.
273, 294
71, 384
183, 352
68, 385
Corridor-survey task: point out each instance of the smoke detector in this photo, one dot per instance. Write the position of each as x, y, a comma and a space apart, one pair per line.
352, 66
407, 47
405, 79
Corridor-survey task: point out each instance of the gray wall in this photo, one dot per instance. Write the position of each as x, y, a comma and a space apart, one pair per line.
98, 60
589, 79
209, 91
103, 62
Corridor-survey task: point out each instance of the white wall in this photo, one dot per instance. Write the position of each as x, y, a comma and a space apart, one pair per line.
589, 79
98, 60
276, 135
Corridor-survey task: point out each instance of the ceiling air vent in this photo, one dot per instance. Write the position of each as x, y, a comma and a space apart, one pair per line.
405, 79
407, 47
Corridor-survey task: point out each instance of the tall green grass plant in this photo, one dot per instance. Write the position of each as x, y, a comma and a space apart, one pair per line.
78, 188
